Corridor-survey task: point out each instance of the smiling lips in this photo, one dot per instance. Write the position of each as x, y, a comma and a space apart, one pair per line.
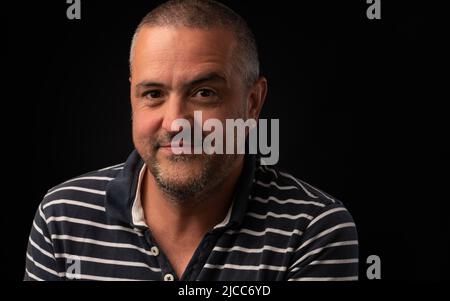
180, 148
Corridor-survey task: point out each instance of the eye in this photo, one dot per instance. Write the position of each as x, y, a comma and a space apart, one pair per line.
205, 93
152, 94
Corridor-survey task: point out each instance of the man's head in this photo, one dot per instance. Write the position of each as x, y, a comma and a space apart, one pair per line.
207, 14
186, 56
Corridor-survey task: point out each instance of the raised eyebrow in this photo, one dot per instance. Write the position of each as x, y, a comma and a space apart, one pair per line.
147, 84
202, 78
213, 76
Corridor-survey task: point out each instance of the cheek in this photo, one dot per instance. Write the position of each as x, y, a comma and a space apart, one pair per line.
232, 113
145, 125
230, 110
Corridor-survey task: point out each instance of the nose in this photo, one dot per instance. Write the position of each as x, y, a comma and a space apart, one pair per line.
175, 108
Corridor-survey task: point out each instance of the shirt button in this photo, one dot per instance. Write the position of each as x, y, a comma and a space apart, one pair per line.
168, 277
154, 251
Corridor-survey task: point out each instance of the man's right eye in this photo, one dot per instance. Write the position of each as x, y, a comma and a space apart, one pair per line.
153, 94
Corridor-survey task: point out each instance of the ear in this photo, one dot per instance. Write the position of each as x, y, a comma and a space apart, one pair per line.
257, 97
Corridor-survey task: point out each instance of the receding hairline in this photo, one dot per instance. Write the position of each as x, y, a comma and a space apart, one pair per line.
233, 43
181, 27
235, 38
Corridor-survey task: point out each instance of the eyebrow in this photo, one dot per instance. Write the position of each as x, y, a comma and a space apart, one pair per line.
212, 76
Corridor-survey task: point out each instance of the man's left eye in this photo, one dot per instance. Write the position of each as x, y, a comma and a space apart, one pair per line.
205, 93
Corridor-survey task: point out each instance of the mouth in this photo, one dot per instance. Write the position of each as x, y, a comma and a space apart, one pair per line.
180, 149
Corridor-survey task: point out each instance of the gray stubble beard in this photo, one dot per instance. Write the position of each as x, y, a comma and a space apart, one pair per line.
216, 168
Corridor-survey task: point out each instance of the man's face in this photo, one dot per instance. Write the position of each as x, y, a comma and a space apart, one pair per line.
176, 71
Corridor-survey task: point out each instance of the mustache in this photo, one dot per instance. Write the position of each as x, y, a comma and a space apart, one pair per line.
166, 138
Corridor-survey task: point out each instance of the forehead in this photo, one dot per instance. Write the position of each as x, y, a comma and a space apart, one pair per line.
162, 50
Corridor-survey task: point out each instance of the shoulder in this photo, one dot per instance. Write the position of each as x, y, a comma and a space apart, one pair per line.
280, 183
321, 221
84, 191
283, 192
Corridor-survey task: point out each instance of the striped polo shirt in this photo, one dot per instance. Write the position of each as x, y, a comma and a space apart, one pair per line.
278, 227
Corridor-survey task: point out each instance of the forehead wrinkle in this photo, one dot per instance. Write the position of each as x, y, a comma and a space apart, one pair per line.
166, 62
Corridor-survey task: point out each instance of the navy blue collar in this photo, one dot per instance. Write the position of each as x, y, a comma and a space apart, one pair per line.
121, 192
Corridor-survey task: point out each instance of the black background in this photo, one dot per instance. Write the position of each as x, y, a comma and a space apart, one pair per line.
362, 115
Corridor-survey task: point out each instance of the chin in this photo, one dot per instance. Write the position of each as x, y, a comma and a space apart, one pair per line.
180, 179
177, 167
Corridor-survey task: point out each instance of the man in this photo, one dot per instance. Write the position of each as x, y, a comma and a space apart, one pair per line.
168, 216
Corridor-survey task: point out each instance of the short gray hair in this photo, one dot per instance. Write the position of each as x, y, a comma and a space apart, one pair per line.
206, 14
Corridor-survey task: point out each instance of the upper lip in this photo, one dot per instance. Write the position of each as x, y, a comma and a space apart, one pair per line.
178, 145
